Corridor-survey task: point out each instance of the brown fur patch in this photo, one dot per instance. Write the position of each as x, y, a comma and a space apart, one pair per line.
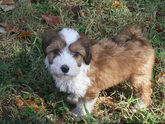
76, 47
112, 65
52, 41
82, 46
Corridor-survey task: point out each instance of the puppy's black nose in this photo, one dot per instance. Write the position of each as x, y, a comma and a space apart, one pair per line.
64, 68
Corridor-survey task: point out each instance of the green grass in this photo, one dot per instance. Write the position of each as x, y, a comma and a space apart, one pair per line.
100, 21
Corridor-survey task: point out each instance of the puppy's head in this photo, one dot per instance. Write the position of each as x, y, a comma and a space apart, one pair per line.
66, 50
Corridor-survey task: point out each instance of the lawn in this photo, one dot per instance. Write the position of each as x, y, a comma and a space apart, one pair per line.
25, 79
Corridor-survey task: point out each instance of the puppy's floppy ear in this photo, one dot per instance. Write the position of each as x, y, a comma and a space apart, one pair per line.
86, 44
47, 38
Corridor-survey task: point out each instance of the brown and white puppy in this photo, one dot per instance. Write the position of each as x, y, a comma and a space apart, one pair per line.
84, 71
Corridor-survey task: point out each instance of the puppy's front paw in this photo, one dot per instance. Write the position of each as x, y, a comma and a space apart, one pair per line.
72, 99
76, 113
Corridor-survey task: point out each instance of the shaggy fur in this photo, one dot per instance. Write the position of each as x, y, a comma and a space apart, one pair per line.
104, 65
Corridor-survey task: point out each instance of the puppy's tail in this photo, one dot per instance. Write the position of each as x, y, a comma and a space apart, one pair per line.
130, 33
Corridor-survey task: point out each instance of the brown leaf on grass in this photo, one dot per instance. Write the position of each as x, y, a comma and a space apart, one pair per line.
160, 8
50, 19
7, 5
159, 30
129, 6
157, 76
6, 2
156, 60
116, 4
11, 28
19, 73
23, 103
82, 14
26, 34
76, 11
131, 9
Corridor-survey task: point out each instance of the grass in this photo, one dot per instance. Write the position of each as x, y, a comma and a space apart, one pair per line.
100, 20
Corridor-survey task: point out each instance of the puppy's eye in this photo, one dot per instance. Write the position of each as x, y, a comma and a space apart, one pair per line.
56, 52
75, 54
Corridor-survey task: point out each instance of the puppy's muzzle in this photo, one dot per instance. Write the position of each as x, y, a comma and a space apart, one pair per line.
64, 68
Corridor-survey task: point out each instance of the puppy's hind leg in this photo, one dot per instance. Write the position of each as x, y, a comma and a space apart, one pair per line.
142, 87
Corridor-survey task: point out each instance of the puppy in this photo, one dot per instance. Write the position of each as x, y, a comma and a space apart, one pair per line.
84, 71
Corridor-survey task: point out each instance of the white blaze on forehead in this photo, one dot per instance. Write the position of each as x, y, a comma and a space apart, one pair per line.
69, 35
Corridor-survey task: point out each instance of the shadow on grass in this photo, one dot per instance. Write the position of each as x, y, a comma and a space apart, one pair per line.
36, 82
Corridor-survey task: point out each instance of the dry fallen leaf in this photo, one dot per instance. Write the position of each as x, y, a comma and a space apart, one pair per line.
82, 14
26, 34
130, 6
156, 60
131, 9
159, 30
116, 4
160, 8
157, 76
76, 11
7, 5
11, 28
8, 27
6, 2
23, 103
50, 19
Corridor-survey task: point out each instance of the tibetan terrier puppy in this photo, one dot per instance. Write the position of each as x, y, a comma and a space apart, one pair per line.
83, 71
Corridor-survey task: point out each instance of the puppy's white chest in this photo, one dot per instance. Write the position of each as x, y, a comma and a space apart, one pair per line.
77, 85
